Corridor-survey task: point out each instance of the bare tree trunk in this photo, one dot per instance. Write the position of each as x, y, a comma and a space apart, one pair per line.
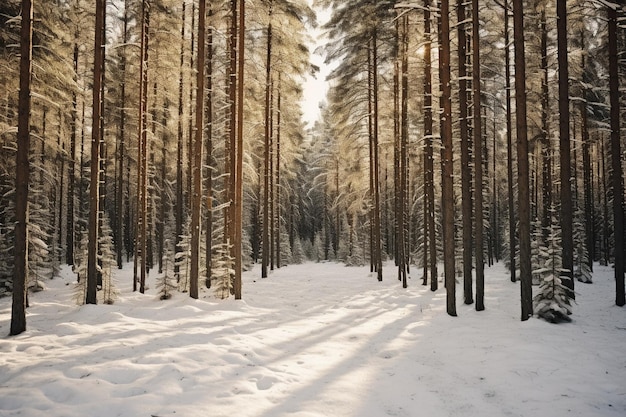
196, 198
546, 217
402, 165
92, 253
239, 162
377, 236
20, 271
567, 239
617, 181
278, 206
209, 158
466, 170
478, 161
447, 164
429, 167
71, 230
267, 152
180, 202
522, 161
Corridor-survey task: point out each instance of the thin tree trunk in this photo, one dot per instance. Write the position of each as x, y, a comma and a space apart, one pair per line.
522, 161
266, 152
196, 198
567, 234
429, 166
509, 147
377, 236
617, 181
180, 202
71, 191
209, 158
278, 206
447, 163
546, 217
20, 270
92, 254
239, 162
466, 170
402, 272
478, 161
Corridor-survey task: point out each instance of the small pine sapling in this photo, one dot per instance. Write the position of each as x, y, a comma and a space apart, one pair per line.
582, 270
223, 271
552, 302
106, 258
166, 283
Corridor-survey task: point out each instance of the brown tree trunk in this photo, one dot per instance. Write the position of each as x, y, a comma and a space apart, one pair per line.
196, 197
20, 271
447, 163
178, 215
429, 167
377, 235
266, 151
96, 136
617, 182
523, 185
239, 155
509, 146
466, 170
567, 208
478, 161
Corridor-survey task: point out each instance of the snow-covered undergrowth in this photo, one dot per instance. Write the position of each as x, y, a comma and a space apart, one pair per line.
309, 341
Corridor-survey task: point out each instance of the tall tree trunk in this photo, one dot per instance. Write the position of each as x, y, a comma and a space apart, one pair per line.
20, 270
121, 152
143, 161
447, 163
239, 155
567, 207
71, 191
478, 161
402, 165
466, 170
96, 136
180, 202
278, 206
509, 146
429, 166
209, 158
617, 181
266, 150
546, 217
196, 198
523, 185
587, 168
377, 235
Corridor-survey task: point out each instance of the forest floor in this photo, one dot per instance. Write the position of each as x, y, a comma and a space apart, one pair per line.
313, 340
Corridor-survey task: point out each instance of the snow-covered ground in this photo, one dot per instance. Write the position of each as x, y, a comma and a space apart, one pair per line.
309, 341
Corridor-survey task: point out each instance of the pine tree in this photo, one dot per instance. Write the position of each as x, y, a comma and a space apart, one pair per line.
552, 302
166, 283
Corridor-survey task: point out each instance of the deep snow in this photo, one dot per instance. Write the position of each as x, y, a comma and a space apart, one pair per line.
313, 340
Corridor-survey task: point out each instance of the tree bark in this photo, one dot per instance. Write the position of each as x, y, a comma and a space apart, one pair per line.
617, 181
567, 208
447, 164
478, 161
92, 250
523, 185
20, 271
196, 198
466, 167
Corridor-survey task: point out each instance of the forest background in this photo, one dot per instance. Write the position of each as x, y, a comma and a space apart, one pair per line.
170, 134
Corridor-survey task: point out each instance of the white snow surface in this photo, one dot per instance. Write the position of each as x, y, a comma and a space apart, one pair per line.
313, 340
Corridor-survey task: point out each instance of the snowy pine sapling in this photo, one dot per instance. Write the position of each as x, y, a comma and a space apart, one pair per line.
166, 283
552, 302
